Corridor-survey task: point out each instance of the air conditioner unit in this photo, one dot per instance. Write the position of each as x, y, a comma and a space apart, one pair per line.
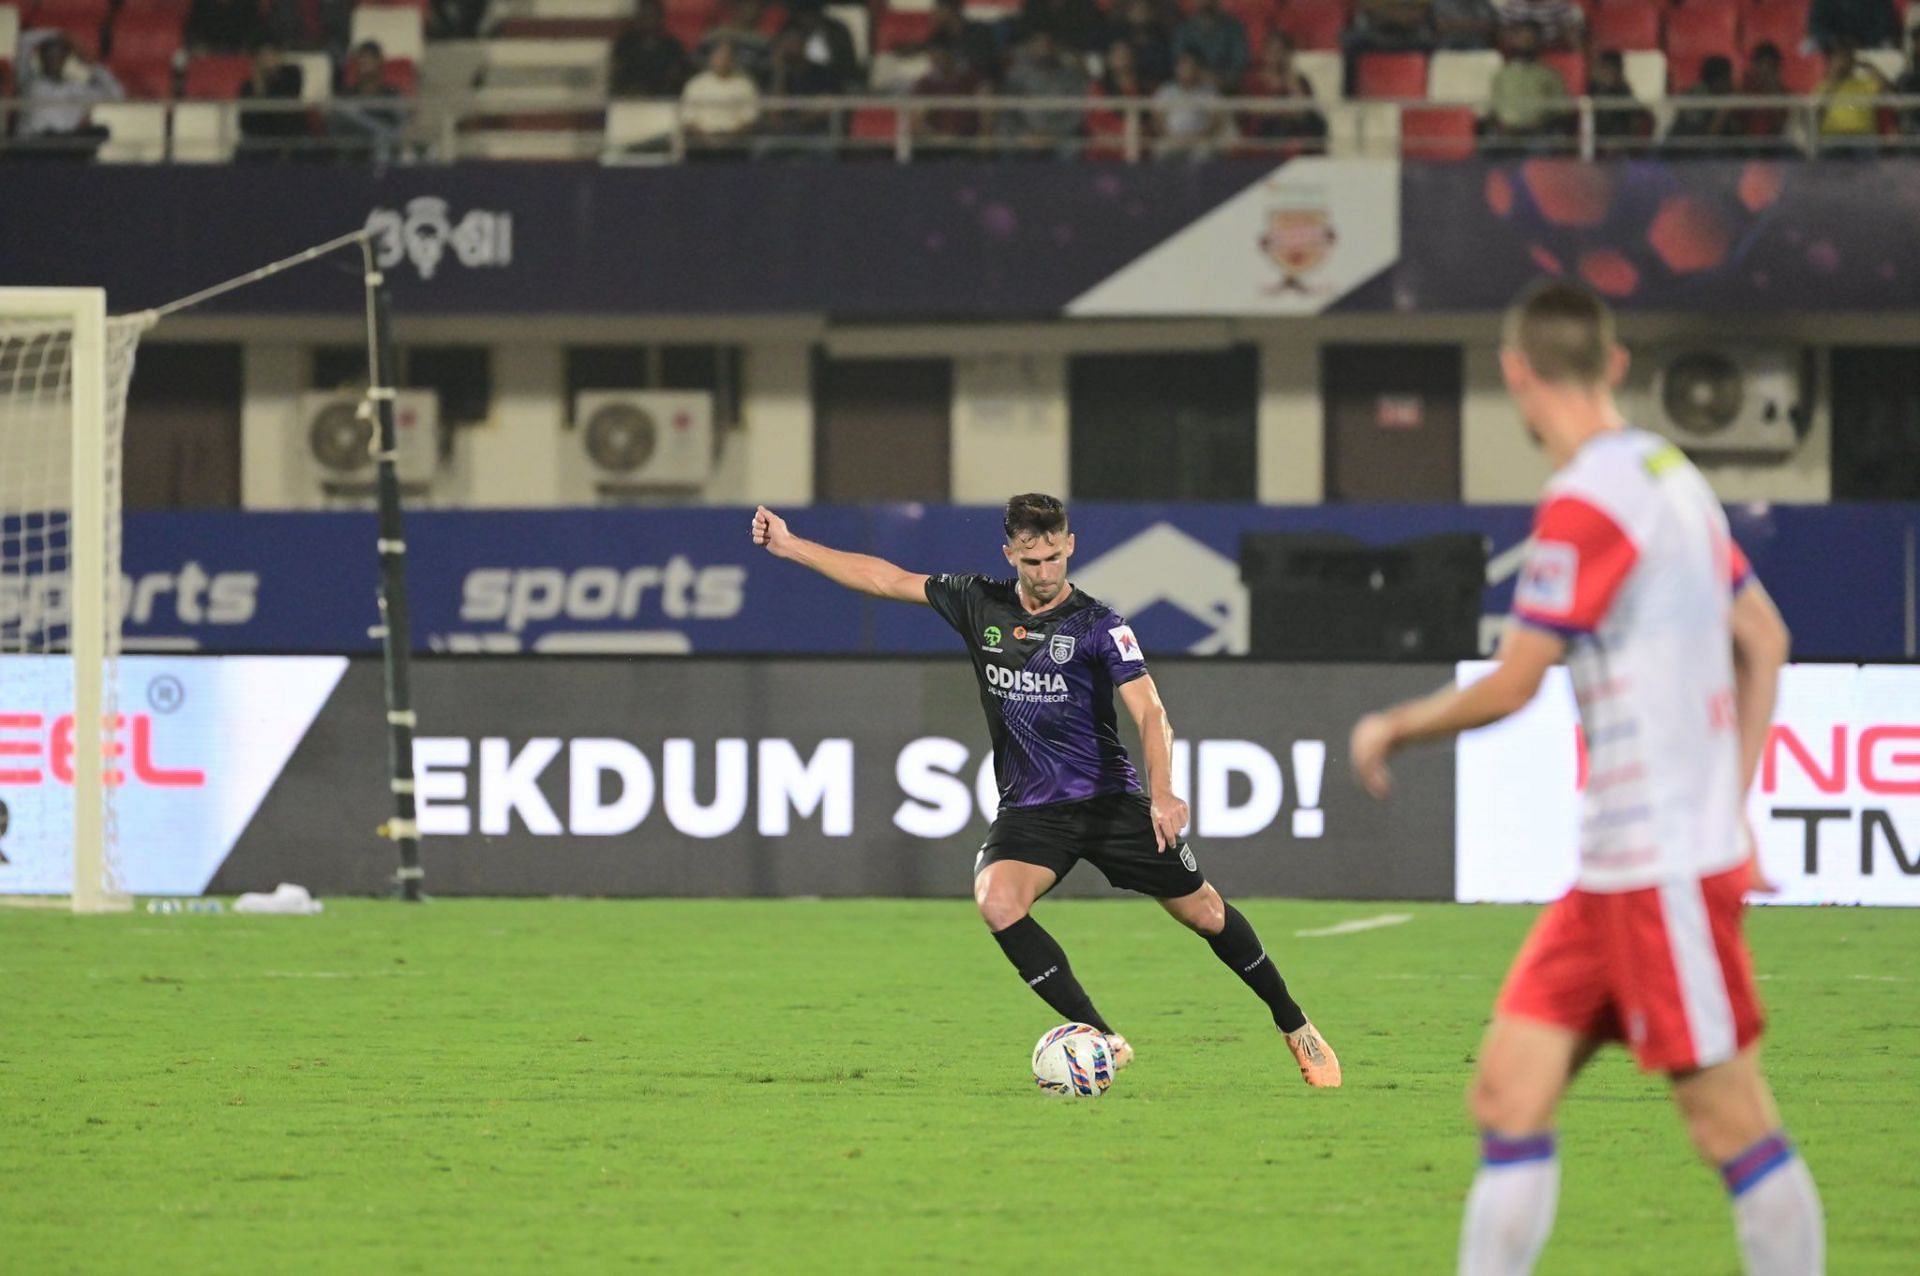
1723, 400
338, 428
635, 443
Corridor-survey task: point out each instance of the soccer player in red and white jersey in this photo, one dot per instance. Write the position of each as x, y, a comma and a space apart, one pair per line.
1675, 652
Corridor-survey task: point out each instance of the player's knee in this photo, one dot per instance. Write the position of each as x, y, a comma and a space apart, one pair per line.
1496, 1105
1000, 911
1209, 915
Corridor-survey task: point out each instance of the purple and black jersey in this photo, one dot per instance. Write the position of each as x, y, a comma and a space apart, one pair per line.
1046, 683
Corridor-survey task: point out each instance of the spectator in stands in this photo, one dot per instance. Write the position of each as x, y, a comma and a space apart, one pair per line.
1621, 126
1529, 99
1077, 25
1142, 31
646, 60
1557, 24
60, 86
1044, 69
1694, 127
972, 42
741, 26
1121, 76
1275, 76
1908, 85
1465, 24
1864, 24
1847, 108
1187, 109
947, 130
270, 135
795, 75
225, 26
356, 121
826, 42
1764, 126
1217, 40
720, 105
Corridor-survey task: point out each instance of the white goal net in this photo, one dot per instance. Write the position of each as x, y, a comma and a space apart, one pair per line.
64, 371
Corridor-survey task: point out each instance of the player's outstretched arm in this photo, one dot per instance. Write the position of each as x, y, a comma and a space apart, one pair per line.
1526, 653
863, 572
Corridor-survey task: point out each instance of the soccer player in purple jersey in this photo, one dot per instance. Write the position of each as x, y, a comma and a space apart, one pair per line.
1049, 658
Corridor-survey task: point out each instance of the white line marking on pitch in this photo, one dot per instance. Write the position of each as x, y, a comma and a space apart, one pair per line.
1355, 926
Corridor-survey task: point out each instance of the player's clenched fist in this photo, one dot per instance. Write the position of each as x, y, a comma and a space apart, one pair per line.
770, 530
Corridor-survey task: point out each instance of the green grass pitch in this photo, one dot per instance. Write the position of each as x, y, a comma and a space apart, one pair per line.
799, 1086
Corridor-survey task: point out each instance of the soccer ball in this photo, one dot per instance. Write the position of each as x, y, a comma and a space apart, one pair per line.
1073, 1061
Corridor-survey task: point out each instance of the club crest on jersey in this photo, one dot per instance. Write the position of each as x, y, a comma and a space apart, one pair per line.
1126, 644
1060, 647
1548, 583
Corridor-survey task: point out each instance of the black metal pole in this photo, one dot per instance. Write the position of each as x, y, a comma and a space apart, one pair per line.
396, 641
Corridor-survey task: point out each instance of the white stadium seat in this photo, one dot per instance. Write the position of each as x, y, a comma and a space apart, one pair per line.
394, 28
1462, 77
136, 132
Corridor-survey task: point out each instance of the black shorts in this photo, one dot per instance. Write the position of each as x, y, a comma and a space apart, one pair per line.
1114, 833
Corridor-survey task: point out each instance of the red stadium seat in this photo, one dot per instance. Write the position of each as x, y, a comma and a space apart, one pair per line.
217, 75
1782, 24
872, 124
402, 76
1626, 25
688, 26
1438, 133
1313, 24
1391, 75
902, 30
1802, 72
175, 9
145, 37
1702, 29
84, 33
1571, 66
1254, 15
65, 13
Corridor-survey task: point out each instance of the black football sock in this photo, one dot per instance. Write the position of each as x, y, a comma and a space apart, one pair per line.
1240, 948
1043, 964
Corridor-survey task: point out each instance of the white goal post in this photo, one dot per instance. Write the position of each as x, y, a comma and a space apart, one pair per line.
65, 367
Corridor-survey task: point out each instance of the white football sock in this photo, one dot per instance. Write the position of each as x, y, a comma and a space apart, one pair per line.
1510, 1210
1776, 1210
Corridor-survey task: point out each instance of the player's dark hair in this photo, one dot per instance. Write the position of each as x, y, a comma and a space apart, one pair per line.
1564, 331
1034, 514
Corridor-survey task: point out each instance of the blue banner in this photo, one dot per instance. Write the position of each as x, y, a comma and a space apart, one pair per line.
657, 581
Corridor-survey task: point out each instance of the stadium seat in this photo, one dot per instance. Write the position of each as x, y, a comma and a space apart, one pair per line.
688, 26
872, 125
1391, 75
398, 32
136, 132
316, 75
204, 132
175, 9
1571, 66
1313, 24
1324, 72
1702, 29
1255, 15
9, 41
1646, 71
908, 30
1781, 23
216, 76
633, 125
1802, 72
1438, 133
82, 30
1462, 76
144, 45
1626, 24
68, 13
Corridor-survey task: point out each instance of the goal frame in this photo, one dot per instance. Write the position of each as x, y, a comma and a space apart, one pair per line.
86, 310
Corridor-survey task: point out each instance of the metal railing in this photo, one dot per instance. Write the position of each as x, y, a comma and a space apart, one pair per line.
447, 127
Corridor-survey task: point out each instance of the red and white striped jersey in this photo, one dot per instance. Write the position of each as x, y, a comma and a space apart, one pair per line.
1633, 565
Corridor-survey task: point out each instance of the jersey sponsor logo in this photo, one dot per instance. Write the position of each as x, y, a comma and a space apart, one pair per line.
990, 637
1019, 633
1664, 459
1026, 680
1547, 584
1126, 644
1060, 647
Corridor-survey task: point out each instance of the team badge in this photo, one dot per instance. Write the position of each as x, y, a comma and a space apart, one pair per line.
1060, 647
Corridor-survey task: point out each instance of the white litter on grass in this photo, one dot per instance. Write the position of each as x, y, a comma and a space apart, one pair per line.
1355, 926
286, 898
